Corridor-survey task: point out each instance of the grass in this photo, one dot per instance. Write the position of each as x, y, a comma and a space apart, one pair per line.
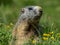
50, 20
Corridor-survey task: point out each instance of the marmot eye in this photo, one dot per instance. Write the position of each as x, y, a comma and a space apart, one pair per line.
30, 8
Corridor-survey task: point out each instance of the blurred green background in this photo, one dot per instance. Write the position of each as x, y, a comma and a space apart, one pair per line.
10, 9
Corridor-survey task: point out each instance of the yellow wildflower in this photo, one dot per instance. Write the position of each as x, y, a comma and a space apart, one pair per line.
33, 41
11, 23
58, 34
51, 32
45, 38
7, 26
46, 34
52, 38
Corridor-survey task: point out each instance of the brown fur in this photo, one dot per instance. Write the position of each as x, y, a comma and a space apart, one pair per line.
23, 31
22, 34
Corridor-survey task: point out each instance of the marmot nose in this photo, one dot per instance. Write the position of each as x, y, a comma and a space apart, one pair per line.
40, 11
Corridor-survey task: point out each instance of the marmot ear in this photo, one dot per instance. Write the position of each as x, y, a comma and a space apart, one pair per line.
22, 10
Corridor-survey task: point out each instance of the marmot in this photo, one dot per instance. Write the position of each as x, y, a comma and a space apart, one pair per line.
27, 25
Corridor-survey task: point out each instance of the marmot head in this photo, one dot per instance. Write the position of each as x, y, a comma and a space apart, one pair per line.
31, 13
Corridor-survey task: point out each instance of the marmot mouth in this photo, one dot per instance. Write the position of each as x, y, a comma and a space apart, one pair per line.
37, 17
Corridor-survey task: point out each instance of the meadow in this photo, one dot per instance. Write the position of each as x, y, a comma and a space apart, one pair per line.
9, 13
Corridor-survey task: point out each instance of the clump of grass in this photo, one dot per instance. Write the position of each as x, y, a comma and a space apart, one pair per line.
5, 33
